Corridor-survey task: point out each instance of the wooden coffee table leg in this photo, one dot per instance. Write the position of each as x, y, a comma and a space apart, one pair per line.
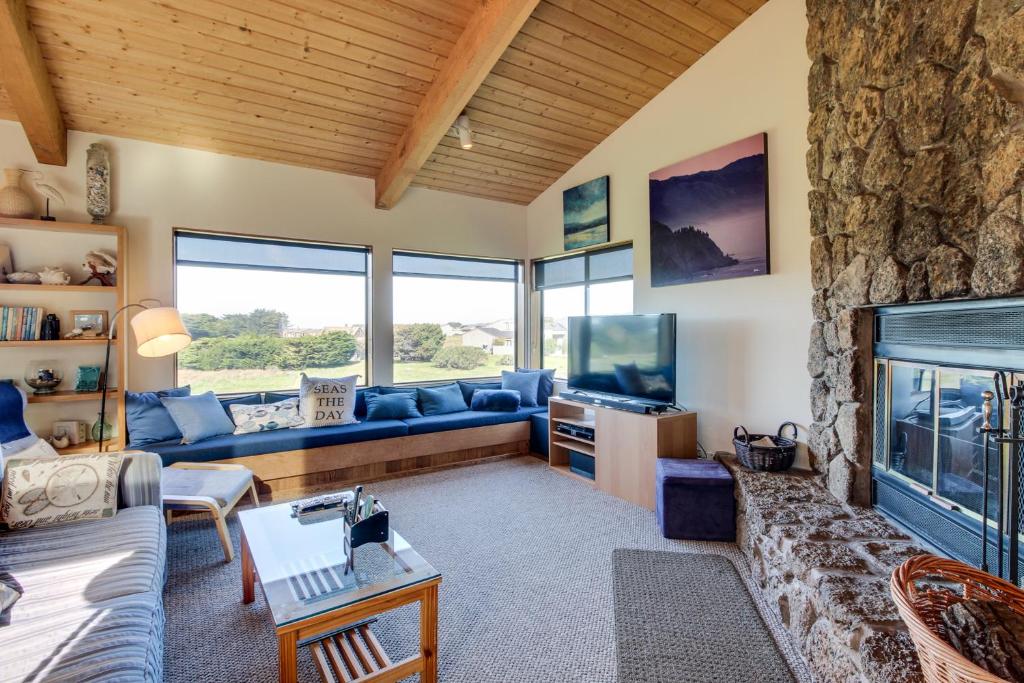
428, 634
287, 657
248, 573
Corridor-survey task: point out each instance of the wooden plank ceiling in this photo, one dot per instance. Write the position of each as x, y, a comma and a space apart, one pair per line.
333, 84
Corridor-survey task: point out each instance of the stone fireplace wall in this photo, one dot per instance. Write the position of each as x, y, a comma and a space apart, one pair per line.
916, 161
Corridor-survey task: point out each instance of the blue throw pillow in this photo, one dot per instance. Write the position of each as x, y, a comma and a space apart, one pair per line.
526, 383
547, 383
500, 400
397, 406
198, 417
396, 390
441, 400
148, 420
469, 387
278, 396
247, 400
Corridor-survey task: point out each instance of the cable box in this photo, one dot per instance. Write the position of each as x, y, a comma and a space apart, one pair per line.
576, 431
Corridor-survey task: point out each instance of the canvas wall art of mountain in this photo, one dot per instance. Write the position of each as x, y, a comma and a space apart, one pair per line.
585, 214
709, 215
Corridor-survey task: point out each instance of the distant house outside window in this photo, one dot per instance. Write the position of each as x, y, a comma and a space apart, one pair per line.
596, 282
454, 316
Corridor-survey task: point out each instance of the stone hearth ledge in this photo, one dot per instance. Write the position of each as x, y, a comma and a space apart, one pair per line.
826, 567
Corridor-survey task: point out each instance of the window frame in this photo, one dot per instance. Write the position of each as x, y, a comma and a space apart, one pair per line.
238, 236
517, 282
587, 281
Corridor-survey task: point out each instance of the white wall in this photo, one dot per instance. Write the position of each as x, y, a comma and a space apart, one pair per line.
157, 188
743, 342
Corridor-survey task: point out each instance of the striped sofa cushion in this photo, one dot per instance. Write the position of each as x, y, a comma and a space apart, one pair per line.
92, 604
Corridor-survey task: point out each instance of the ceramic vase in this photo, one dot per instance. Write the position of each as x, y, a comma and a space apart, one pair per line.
97, 182
14, 201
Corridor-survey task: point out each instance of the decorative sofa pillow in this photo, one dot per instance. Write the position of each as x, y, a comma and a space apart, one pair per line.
60, 490
441, 400
469, 387
148, 419
326, 402
499, 400
546, 386
266, 417
526, 383
247, 400
397, 406
198, 417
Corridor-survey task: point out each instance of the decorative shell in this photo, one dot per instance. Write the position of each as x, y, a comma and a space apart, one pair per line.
61, 441
23, 278
100, 262
74, 334
54, 276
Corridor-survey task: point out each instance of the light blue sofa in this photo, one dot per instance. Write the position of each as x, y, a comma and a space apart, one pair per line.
92, 592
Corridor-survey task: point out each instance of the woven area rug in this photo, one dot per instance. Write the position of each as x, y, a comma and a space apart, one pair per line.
688, 617
526, 559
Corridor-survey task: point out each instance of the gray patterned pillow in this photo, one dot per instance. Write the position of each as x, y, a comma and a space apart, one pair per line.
60, 490
266, 417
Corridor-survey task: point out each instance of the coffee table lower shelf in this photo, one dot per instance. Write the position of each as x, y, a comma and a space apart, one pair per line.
354, 655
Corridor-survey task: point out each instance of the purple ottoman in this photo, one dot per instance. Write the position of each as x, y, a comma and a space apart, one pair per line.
695, 500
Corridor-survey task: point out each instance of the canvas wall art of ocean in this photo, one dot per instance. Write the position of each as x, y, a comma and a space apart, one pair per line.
709, 215
585, 214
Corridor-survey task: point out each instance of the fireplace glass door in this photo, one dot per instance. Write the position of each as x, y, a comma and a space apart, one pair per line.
960, 476
934, 417
911, 422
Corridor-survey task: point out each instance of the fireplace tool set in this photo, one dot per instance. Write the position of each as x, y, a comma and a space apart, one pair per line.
1008, 438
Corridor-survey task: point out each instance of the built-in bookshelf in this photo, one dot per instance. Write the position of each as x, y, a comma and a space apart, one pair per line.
34, 245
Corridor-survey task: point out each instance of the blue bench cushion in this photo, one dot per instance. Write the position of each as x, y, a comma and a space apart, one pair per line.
539, 432
467, 418
238, 446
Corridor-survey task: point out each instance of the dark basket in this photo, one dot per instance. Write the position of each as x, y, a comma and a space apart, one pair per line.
765, 458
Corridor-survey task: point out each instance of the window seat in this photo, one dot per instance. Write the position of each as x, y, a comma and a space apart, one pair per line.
292, 458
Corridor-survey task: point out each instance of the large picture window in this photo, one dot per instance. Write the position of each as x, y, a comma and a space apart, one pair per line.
454, 317
261, 311
598, 282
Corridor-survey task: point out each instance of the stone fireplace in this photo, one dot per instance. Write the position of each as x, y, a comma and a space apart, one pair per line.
916, 140
915, 158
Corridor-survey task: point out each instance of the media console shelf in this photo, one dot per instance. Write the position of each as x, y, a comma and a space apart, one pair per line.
625, 448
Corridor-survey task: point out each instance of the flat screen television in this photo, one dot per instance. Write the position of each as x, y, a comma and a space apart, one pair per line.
624, 355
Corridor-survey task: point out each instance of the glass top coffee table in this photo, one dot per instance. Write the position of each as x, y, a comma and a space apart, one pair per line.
300, 564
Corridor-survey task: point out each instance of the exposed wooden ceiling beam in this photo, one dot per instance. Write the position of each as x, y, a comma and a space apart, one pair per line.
28, 86
489, 31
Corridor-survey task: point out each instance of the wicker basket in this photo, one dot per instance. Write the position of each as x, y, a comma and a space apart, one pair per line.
765, 458
922, 611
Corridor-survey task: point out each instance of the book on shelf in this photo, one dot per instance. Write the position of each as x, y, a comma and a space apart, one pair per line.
21, 323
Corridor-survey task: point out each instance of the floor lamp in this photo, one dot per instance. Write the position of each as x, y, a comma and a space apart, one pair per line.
159, 332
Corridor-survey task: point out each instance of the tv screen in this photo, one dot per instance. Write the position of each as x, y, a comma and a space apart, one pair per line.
625, 355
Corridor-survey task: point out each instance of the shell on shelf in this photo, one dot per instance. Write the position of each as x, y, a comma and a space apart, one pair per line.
54, 276
23, 278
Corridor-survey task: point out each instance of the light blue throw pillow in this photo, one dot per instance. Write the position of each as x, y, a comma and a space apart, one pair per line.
526, 383
198, 417
442, 400
546, 386
148, 420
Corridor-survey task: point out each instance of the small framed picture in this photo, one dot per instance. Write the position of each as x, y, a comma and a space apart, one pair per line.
91, 323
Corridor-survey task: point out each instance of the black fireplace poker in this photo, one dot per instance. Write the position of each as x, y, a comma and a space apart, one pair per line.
1009, 442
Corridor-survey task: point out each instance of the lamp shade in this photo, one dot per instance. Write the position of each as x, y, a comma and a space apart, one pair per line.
160, 332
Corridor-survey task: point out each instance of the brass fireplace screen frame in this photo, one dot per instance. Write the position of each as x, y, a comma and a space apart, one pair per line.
886, 366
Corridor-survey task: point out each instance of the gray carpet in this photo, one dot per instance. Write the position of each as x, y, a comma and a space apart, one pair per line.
688, 617
526, 556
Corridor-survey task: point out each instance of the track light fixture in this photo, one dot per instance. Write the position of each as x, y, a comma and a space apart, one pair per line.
462, 129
